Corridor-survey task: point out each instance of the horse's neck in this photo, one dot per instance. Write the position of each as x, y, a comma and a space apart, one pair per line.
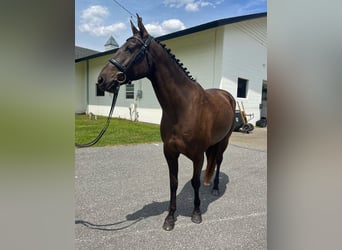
171, 85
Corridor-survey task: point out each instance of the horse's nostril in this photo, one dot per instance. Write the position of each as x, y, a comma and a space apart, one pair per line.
100, 80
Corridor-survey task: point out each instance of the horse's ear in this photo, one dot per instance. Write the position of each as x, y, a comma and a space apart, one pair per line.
143, 31
135, 31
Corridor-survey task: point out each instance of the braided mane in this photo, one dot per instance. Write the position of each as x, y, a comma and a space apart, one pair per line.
185, 70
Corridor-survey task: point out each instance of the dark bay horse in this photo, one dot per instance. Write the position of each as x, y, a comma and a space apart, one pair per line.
194, 121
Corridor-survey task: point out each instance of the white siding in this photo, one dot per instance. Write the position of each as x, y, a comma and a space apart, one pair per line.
201, 53
80, 87
145, 114
245, 56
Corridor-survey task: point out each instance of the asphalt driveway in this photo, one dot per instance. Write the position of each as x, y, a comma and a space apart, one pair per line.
122, 198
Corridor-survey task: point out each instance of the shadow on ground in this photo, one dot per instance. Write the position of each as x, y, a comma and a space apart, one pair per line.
185, 200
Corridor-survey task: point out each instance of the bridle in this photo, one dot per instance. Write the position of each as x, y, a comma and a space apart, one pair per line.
122, 75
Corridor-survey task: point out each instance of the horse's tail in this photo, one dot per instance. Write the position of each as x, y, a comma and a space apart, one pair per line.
214, 157
211, 164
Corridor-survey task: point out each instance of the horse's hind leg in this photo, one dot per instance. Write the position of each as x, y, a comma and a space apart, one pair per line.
196, 183
221, 147
215, 190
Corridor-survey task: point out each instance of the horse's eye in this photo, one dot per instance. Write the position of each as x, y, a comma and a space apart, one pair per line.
128, 49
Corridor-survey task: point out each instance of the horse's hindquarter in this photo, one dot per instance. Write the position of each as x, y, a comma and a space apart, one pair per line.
220, 113
222, 102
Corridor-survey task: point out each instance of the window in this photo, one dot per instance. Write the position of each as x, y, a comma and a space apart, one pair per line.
99, 92
242, 87
129, 91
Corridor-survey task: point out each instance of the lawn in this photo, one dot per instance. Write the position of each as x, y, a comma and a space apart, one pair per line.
119, 132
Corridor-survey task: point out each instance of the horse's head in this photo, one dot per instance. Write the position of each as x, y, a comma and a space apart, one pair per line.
130, 62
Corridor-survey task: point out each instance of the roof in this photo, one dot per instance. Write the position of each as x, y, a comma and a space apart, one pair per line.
111, 41
83, 52
189, 31
97, 54
211, 25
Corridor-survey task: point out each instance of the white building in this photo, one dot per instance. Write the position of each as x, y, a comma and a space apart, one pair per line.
230, 54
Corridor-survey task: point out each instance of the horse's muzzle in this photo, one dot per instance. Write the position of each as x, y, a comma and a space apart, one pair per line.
120, 79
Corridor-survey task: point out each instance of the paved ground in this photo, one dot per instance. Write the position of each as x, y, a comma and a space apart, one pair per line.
122, 196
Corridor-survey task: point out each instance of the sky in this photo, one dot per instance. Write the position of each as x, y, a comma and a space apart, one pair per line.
97, 20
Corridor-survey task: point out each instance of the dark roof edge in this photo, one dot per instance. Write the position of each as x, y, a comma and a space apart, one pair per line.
212, 24
107, 52
188, 31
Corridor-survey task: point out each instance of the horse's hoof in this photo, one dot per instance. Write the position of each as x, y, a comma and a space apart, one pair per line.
169, 224
196, 217
215, 192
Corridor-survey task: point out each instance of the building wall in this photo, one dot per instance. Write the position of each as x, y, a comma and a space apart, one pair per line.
80, 87
201, 53
245, 56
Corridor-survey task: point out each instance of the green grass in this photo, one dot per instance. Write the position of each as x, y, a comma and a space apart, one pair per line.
119, 131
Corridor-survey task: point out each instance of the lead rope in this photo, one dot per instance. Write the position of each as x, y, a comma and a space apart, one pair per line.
79, 145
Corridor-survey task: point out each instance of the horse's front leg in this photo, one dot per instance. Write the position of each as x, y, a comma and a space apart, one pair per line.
196, 183
172, 161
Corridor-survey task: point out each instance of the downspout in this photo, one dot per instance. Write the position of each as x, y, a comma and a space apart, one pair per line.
214, 63
87, 82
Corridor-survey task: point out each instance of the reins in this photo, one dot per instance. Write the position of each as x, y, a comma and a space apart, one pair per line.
93, 142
